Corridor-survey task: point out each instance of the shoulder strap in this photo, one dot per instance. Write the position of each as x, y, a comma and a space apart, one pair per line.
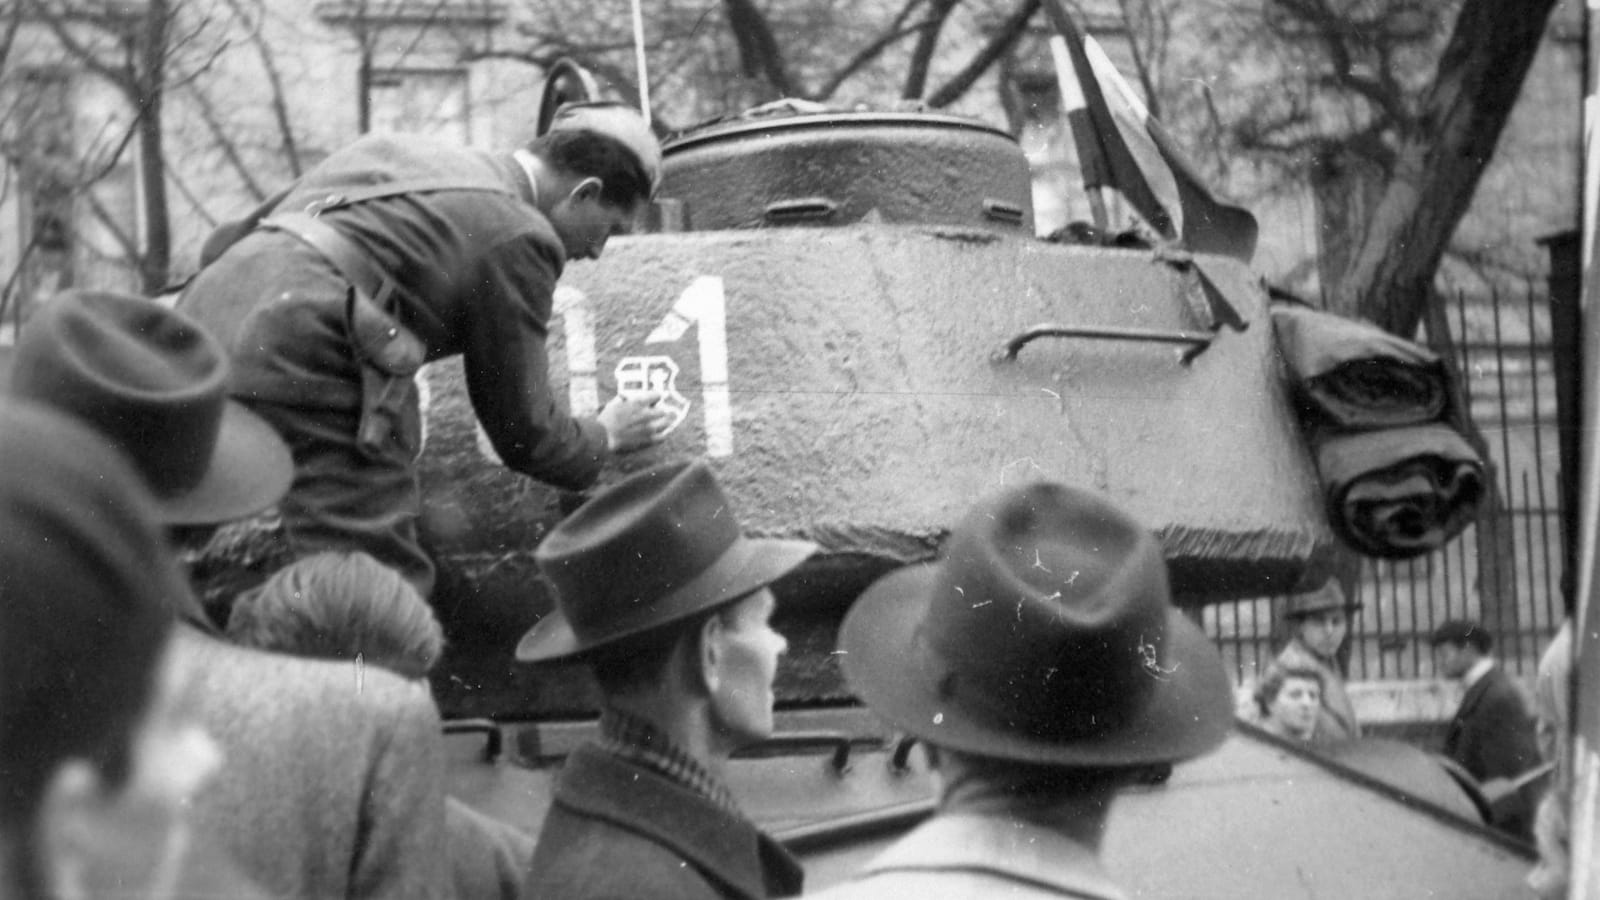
350, 196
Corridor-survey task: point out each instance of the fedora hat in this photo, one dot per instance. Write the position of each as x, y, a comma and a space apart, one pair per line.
1045, 633
1329, 596
154, 382
652, 549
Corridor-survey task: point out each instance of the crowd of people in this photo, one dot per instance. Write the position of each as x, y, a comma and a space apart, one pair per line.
291, 748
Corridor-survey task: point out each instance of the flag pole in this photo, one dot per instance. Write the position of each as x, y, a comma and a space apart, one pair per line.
1075, 109
638, 58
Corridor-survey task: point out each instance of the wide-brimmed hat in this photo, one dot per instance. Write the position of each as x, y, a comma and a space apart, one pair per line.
1328, 596
651, 550
154, 382
623, 124
1046, 634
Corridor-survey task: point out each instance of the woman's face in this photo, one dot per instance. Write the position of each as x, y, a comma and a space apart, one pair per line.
1323, 631
1296, 705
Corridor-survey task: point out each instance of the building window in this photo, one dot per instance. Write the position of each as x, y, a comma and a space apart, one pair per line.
421, 101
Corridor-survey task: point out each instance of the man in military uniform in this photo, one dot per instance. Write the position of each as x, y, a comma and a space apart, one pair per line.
657, 589
399, 250
1044, 665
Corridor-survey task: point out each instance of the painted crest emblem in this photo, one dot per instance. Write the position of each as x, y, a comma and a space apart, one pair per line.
642, 375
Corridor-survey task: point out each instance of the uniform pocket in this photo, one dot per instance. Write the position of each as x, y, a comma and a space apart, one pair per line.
389, 356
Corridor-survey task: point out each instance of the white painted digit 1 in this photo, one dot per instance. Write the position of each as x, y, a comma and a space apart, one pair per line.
703, 303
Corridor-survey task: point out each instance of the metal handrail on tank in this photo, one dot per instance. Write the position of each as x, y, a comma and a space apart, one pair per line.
1198, 342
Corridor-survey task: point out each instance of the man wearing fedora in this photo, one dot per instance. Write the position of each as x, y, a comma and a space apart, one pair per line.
400, 250
667, 601
1042, 662
1319, 623
326, 791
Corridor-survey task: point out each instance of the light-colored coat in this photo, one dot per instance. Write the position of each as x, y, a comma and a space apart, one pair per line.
960, 856
332, 782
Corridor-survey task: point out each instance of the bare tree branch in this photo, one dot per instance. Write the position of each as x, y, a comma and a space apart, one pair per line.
895, 32
1004, 38
927, 40
759, 54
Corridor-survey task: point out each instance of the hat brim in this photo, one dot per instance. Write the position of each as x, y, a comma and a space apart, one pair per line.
250, 469
746, 566
1188, 711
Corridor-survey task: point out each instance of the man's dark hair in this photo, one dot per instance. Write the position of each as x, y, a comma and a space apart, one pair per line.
1464, 632
624, 181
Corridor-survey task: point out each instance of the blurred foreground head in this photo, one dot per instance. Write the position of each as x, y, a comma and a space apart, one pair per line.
86, 582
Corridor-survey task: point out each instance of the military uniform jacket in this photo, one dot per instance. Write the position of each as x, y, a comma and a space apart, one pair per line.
474, 267
959, 856
619, 831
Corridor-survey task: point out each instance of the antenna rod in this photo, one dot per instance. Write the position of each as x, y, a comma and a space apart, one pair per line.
638, 55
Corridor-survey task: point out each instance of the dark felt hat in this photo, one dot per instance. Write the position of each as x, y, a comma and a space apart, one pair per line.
1045, 633
83, 560
154, 382
651, 550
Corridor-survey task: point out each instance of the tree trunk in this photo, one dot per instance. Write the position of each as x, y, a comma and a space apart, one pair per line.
1346, 187
759, 56
1439, 161
156, 260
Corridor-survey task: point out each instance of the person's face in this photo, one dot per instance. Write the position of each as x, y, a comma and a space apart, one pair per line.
1324, 631
584, 222
1453, 659
1295, 708
744, 662
106, 839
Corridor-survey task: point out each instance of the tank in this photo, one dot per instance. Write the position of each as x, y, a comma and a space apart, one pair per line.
859, 377
855, 324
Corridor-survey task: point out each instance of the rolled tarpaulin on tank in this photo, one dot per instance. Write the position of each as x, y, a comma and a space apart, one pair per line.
1352, 374
1399, 492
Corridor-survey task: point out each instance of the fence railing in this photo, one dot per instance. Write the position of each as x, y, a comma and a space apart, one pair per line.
1504, 570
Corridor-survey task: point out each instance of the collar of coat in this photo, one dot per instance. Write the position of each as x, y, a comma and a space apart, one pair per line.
1007, 847
725, 846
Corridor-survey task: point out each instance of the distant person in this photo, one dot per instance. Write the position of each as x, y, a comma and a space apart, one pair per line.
1289, 702
1552, 824
341, 606
350, 607
658, 590
329, 791
1492, 733
98, 759
1319, 623
1042, 662
399, 250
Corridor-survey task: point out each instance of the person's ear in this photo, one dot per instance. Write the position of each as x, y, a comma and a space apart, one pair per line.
709, 654
587, 190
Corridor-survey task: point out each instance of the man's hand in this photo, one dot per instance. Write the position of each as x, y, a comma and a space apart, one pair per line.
634, 423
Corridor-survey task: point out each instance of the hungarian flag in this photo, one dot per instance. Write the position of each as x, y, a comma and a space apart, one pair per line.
1121, 146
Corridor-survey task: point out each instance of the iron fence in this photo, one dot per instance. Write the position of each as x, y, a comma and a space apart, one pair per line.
1504, 570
